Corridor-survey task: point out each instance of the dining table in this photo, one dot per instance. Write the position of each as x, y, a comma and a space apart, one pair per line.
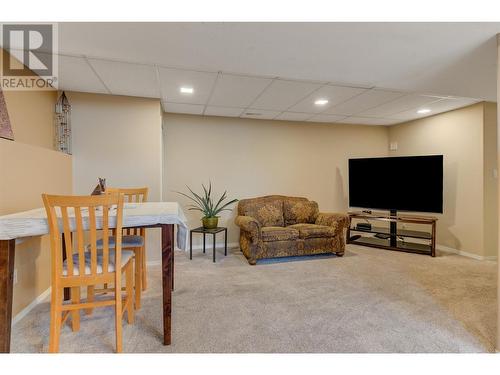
17, 226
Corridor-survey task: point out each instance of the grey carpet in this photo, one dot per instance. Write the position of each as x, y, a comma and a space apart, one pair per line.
368, 301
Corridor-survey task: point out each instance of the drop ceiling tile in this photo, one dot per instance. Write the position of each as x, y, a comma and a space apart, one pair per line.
326, 118
401, 104
369, 121
440, 106
75, 74
192, 109
171, 80
282, 94
127, 79
369, 99
293, 116
334, 95
259, 114
223, 111
237, 91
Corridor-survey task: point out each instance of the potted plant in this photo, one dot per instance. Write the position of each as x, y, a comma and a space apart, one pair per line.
205, 204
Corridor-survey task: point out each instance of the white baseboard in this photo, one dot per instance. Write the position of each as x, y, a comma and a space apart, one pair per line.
21, 314
467, 254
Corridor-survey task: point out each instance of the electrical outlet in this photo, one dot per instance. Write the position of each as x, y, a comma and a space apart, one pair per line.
15, 276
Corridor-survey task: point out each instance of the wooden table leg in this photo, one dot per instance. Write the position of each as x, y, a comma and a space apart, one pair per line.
173, 256
7, 250
166, 268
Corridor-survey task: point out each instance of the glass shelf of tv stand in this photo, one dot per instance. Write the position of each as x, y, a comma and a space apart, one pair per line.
400, 232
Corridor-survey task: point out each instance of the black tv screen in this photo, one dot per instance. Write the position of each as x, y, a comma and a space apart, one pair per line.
409, 183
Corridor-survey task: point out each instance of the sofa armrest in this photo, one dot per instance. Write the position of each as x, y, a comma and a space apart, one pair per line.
336, 220
250, 225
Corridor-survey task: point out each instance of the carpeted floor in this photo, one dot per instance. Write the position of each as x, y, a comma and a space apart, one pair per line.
368, 301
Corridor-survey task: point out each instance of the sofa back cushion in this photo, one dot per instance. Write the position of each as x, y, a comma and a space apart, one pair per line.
268, 211
298, 211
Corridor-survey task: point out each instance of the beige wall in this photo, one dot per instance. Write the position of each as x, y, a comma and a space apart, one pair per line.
255, 157
32, 171
32, 116
461, 136
118, 138
490, 178
30, 167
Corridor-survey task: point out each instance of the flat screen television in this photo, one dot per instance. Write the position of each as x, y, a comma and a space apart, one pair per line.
409, 183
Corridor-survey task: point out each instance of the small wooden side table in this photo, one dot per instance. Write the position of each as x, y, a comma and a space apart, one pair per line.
213, 232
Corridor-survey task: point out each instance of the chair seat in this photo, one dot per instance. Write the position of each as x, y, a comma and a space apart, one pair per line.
126, 256
313, 230
270, 234
127, 241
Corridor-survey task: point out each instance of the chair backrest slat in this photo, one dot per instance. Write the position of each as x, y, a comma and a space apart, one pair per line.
93, 240
81, 204
80, 243
105, 238
68, 239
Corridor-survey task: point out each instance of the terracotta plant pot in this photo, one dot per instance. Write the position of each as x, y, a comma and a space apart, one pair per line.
210, 222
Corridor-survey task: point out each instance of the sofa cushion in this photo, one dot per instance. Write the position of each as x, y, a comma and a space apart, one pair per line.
270, 234
268, 212
313, 230
300, 211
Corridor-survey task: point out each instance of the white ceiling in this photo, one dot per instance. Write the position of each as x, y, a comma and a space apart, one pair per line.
371, 73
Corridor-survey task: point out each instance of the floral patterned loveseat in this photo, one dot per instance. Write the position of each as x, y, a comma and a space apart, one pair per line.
278, 226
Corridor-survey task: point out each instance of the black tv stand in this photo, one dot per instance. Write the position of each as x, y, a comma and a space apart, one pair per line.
396, 238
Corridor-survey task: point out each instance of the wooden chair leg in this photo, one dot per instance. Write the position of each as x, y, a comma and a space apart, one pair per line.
90, 298
118, 311
144, 269
75, 314
138, 282
55, 319
129, 281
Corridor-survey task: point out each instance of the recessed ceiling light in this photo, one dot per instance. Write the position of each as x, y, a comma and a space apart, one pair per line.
423, 111
186, 90
321, 101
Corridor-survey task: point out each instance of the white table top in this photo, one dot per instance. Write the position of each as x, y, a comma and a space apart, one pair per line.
34, 222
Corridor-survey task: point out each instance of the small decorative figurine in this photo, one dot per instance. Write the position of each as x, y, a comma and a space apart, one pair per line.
100, 188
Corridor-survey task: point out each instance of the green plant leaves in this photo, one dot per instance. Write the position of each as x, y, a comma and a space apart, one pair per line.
205, 204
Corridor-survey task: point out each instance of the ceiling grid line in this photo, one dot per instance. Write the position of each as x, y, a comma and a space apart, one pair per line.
97, 75
158, 81
211, 92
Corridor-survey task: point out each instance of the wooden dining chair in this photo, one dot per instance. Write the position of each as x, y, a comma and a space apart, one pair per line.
134, 239
85, 266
